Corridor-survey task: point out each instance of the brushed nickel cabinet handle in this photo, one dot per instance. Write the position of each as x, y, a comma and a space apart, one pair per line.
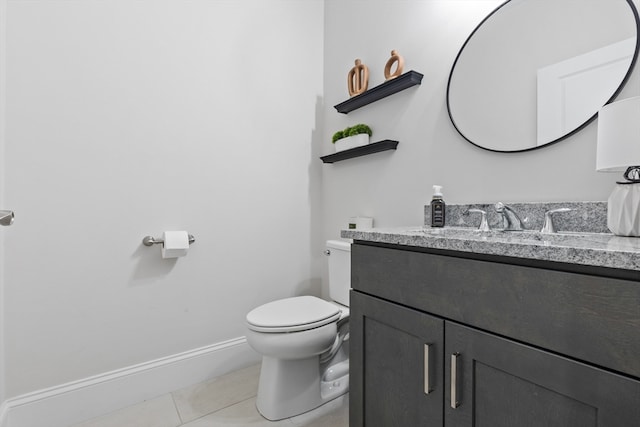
427, 382
454, 380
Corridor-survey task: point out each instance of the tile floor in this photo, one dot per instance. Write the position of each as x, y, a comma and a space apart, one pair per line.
225, 401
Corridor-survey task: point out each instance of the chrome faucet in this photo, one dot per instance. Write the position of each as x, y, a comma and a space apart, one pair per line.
549, 227
512, 221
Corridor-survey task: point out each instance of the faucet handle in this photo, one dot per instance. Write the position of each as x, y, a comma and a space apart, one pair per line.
484, 226
548, 226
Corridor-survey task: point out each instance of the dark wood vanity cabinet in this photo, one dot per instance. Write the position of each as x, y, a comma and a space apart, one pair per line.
504, 383
505, 343
398, 352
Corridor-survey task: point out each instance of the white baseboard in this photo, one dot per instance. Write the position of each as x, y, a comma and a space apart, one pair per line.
70, 403
4, 417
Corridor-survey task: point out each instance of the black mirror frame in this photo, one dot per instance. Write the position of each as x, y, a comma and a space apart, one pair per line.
634, 10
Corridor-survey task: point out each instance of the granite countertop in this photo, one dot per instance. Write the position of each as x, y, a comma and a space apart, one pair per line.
592, 249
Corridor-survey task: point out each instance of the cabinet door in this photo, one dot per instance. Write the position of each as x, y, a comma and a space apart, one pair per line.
501, 383
396, 369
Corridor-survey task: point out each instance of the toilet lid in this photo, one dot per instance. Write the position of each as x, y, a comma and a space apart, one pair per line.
292, 314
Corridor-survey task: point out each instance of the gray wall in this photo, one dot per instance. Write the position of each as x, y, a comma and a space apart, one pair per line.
3, 15
393, 187
126, 118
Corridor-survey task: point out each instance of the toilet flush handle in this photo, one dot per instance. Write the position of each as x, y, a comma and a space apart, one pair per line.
327, 252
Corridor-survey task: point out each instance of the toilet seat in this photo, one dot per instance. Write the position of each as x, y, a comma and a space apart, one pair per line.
292, 315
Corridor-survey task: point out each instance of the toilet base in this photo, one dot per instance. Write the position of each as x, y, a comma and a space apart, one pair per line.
291, 387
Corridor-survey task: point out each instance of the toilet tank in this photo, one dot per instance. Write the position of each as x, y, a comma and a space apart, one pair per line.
339, 270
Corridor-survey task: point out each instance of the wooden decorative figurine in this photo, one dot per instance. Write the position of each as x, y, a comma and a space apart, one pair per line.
395, 57
358, 78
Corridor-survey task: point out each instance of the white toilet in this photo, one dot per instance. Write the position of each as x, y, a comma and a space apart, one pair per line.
304, 344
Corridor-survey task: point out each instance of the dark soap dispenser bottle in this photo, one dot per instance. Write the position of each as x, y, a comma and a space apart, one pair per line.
437, 207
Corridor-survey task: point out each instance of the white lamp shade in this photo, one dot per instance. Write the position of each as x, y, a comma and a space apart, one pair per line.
619, 135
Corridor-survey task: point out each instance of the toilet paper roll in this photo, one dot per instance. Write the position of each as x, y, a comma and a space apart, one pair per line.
176, 244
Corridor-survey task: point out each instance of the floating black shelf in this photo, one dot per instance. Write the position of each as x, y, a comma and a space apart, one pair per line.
402, 82
374, 147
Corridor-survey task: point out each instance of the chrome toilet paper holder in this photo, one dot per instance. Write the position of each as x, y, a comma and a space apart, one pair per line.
150, 240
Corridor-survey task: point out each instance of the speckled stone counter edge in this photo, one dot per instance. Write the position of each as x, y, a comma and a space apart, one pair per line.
584, 217
602, 250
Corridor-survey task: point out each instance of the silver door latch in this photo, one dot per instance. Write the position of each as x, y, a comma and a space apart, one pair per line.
6, 218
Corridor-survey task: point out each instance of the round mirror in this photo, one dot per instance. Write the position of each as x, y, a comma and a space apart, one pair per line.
536, 71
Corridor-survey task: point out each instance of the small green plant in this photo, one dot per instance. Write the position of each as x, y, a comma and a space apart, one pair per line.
351, 131
338, 135
360, 128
